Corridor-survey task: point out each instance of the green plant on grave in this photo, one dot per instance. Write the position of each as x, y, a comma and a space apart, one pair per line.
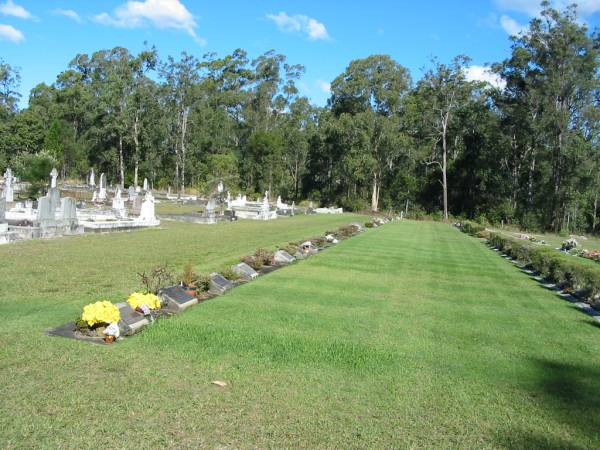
263, 257
229, 273
203, 282
369, 224
189, 278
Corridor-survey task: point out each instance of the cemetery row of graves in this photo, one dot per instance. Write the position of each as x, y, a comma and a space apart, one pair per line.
70, 209
574, 275
164, 295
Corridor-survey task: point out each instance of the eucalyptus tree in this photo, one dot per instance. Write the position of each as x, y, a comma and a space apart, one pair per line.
553, 85
374, 87
180, 78
442, 91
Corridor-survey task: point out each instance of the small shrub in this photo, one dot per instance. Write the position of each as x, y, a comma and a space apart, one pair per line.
203, 282
228, 273
368, 224
156, 278
264, 256
189, 277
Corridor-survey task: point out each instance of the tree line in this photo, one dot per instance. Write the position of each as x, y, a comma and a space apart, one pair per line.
524, 152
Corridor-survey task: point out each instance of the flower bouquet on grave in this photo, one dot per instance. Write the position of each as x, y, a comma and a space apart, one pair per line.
99, 319
144, 303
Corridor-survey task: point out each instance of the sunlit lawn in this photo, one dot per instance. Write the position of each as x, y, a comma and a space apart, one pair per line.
410, 335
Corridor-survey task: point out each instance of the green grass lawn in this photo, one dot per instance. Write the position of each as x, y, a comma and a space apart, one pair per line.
410, 335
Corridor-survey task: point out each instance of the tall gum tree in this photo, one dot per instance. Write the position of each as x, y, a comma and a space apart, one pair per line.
374, 88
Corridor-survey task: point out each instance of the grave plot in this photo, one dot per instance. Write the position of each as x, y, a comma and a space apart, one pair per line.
104, 322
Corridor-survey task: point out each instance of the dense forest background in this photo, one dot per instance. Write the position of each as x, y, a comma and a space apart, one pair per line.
526, 152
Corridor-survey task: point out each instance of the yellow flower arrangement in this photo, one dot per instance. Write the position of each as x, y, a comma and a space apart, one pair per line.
138, 299
100, 312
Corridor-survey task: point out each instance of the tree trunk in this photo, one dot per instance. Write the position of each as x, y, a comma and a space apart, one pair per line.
444, 168
375, 194
184, 120
136, 141
121, 164
530, 180
595, 218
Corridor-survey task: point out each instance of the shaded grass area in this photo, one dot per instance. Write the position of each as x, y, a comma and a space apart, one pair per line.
410, 335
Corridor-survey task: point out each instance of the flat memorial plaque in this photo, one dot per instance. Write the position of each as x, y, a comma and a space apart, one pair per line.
133, 319
219, 284
177, 298
243, 270
283, 257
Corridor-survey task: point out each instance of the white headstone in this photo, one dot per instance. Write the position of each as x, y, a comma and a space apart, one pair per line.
220, 187
145, 184
53, 177
118, 204
8, 187
147, 211
92, 180
228, 200
102, 188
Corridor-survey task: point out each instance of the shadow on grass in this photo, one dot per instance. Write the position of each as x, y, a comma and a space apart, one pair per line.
569, 393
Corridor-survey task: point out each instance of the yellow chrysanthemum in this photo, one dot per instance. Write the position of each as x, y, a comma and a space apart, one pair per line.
138, 299
100, 312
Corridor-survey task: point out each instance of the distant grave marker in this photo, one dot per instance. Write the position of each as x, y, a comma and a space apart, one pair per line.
177, 298
219, 284
133, 319
283, 257
243, 270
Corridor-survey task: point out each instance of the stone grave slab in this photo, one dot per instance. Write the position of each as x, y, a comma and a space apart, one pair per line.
69, 330
130, 317
177, 298
219, 284
243, 270
283, 257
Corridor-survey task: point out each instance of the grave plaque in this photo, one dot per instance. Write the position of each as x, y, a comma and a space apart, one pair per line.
283, 257
244, 271
177, 298
219, 284
133, 319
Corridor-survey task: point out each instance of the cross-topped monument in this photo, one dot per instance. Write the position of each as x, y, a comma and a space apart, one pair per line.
53, 177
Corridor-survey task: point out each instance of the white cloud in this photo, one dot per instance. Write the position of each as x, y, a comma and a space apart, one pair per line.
9, 8
161, 14
533, 8
299, 23
481, 73
68, 13
324, 86
10, 33
511, 26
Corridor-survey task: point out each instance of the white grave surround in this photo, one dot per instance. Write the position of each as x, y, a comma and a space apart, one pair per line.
329, 210
259, 210
102, 220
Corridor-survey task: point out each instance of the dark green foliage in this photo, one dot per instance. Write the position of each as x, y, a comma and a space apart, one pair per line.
565, 270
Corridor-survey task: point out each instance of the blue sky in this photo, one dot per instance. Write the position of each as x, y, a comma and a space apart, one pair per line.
41, 37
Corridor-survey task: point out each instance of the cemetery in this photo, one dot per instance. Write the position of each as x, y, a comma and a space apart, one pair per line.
312, 225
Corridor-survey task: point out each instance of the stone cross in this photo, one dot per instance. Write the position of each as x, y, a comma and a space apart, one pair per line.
53, 176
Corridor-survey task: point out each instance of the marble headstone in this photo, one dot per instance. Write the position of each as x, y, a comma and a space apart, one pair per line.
130, 317
243, 270
283, 257
8, 187
2, 209
177, 298
219, 284
45, 213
